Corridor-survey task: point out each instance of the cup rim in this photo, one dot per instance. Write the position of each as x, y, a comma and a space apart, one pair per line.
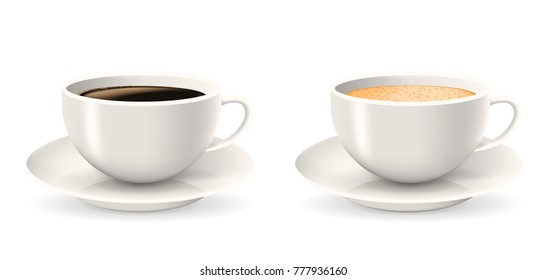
483, 90
207, 95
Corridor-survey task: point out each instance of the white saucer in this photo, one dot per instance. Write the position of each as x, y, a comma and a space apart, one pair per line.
60, 166
328, 165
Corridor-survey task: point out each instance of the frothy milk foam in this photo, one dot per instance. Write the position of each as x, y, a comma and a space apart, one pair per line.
410, 93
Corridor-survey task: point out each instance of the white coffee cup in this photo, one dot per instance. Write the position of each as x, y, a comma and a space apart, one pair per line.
413, 142
145, 141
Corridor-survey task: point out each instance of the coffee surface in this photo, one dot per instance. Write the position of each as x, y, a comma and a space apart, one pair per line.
142, 93
410, 93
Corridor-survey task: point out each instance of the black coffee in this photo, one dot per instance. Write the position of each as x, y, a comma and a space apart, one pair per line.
141, 93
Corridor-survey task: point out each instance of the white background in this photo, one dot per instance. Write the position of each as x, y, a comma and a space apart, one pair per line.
283, 56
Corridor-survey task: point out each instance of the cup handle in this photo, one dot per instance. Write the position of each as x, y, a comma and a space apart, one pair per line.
228, 141
498, 140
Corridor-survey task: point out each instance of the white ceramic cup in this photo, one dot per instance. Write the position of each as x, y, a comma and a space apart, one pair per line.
413, 142
148, 141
